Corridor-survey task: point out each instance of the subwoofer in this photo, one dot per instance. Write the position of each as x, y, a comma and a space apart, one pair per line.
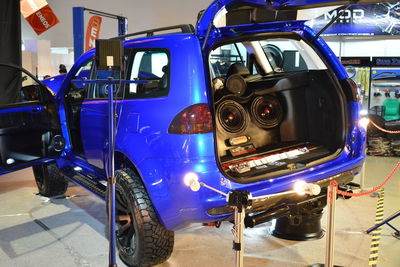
232, 116
266, 111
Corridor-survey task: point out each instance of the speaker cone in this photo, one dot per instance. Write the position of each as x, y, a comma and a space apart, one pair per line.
267, 111
236, 84
232, 116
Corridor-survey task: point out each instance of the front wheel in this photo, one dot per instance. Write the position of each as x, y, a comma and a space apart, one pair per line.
49, 180
141, 239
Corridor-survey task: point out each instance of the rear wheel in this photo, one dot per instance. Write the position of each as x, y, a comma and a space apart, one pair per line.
49, 180
141, 239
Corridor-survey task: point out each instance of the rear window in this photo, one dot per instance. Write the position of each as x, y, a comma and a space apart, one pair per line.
265, 56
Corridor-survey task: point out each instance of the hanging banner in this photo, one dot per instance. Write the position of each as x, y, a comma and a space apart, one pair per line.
39, 15
92, 32
362, 20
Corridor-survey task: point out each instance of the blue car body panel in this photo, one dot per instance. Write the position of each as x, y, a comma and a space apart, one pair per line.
55, 82
163, 159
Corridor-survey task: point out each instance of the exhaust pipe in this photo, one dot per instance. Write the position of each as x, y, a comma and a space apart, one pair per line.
252, 220
346, 189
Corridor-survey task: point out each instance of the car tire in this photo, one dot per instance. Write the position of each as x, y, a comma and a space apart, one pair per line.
141, 239
49, 180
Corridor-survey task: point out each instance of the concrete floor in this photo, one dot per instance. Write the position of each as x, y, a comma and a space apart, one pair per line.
37, 231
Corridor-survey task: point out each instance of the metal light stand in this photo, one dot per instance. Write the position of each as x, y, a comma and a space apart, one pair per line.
111, 176
396, 234
240, 200
111, 162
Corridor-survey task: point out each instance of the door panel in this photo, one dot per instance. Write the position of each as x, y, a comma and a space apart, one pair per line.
94, 131
28, 123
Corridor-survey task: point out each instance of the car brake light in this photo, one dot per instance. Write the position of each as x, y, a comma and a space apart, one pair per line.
194, 119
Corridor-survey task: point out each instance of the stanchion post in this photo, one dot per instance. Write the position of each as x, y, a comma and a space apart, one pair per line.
362, 178
330, 231
111, 177
363, 123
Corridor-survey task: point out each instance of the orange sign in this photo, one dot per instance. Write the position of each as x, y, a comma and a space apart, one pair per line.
92, 32
42, 20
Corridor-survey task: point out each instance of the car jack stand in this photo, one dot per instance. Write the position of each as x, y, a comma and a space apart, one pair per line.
239, 200
396, 234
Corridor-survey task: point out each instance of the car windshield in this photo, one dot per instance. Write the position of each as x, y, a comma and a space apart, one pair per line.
265, 56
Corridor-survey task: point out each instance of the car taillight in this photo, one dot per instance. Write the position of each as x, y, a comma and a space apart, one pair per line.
194, 119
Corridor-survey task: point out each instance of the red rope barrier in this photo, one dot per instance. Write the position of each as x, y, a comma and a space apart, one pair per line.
347, 194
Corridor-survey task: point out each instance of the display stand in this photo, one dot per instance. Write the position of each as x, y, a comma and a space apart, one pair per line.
240, 200
396, 234
111, 165
109, 55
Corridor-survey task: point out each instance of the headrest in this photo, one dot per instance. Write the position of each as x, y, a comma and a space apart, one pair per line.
238, 68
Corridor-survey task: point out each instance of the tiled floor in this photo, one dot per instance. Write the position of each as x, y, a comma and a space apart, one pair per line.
36, 231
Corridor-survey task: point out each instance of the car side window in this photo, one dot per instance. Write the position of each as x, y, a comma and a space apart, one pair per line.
152, 66
78, 88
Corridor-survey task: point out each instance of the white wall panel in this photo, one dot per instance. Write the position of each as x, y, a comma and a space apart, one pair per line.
365, 48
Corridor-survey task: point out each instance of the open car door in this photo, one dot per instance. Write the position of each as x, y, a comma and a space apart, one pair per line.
29, 124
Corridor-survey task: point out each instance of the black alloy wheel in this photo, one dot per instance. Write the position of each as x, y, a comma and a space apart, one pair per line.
141, 239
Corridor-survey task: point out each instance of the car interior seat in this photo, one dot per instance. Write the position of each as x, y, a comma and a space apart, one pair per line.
163, 83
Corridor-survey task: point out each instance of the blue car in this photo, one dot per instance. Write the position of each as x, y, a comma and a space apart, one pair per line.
249, 99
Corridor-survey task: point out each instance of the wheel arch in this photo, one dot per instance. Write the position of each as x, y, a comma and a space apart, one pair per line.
150, 177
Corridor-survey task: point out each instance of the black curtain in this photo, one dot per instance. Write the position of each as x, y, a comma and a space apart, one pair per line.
10, 50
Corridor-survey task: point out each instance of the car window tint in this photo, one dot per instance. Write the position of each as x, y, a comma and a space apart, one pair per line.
264, 56
153, 67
